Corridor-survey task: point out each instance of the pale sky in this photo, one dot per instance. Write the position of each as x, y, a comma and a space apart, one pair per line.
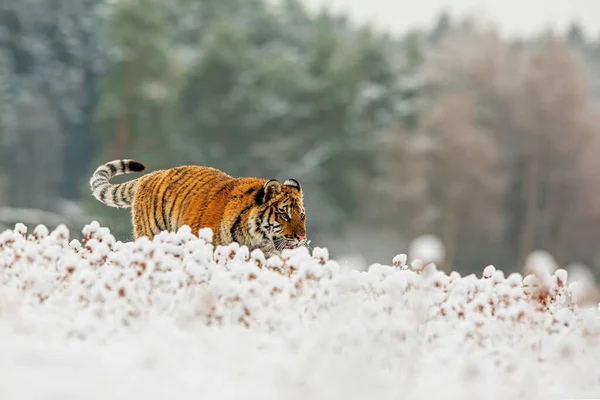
511, 17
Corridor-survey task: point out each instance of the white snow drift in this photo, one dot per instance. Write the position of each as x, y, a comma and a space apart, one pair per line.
177, 318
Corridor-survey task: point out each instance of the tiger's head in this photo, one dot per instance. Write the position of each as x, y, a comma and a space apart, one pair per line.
282, 217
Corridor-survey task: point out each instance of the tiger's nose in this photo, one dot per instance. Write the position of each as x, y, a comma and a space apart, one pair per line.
301, 237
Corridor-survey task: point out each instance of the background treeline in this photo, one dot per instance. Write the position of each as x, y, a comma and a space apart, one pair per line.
490, 144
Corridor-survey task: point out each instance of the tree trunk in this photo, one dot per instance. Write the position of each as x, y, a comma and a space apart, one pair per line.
2, 190
123, 128
564, 229
121, 142
531, 191
450, 227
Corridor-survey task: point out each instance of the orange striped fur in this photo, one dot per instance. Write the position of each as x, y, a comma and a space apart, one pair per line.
258, 213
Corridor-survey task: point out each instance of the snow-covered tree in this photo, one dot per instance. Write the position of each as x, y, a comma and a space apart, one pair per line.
53, 52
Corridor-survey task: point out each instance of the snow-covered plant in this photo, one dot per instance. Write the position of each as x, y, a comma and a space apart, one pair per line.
297, 323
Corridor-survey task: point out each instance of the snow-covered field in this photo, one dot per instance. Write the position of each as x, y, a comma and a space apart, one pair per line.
176, 318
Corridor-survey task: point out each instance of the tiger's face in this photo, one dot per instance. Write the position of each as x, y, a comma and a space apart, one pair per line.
283, 218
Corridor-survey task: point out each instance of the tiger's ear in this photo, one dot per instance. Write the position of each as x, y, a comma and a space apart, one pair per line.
270, 190
293, 183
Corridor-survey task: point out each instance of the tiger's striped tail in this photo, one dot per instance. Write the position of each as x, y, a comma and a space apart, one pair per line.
115, 195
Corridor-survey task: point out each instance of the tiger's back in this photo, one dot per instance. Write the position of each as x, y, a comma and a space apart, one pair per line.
195, 196
247, 210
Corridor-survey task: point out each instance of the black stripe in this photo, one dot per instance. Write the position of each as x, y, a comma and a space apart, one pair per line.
162, 190
131, 190
259, 196
103, 173
166, 216
103, 194
155, 193
122, 198
146, 220
236, 224
97, 183
123, 166
149, 204
261, 218
223, 187
143, 212
270, 212
115, 194
179, 196
193, 189
135, 166
174, 200
258, 220
112, 168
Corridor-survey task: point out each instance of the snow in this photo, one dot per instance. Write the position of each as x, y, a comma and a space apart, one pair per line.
540, 260
428, 248
96, 318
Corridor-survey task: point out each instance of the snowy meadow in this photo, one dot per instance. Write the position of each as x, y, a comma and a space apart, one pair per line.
176, 317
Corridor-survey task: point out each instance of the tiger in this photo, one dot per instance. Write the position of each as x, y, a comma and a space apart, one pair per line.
255, 212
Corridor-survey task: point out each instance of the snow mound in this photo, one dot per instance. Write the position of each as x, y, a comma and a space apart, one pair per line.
428, 248
177, 317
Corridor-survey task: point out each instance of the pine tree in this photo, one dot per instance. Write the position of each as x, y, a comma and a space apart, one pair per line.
441, 28
137, 90
575, 35
3, 141
53, 49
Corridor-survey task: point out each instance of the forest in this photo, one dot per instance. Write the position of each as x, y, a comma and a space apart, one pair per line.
488, 143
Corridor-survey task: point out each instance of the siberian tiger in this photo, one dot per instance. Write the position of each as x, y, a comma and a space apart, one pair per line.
255, 212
